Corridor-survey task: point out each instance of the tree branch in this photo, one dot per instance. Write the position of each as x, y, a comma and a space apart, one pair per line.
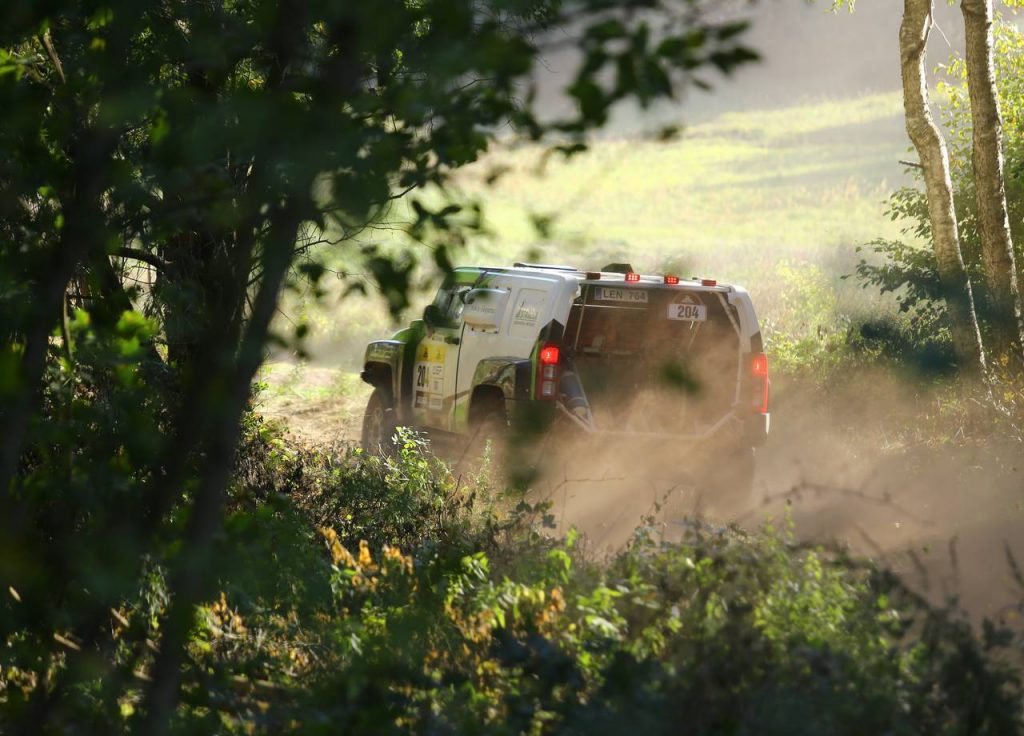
142, 256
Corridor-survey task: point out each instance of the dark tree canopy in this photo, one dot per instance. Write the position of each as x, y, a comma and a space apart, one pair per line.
211, 140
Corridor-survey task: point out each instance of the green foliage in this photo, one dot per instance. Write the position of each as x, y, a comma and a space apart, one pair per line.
460, 617
804, 333
172, 564
907, 266
168, 169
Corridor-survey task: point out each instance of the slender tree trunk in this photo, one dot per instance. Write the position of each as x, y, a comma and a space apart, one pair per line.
224, 431
989, 187
931, 150
83, 233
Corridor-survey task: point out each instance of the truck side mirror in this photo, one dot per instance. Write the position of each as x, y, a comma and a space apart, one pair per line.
485, 308
432, 315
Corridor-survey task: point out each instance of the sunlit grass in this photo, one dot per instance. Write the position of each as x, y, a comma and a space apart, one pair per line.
747, 198
808, 118
746, 182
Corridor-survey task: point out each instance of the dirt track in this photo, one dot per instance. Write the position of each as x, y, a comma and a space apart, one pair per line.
945, 517
948, 518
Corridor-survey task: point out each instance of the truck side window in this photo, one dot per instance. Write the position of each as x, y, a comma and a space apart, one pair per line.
449, 301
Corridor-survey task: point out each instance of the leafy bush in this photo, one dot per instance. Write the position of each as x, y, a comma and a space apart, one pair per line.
804, 331
907, 267
371, 595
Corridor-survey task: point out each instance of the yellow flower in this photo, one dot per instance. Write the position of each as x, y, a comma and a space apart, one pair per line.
339, 555
365, 560
393, 554
557, 600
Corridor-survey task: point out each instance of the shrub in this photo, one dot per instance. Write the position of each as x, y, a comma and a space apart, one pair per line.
370, 595
418, 603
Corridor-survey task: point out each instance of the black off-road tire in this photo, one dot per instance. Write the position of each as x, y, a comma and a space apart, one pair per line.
489, 424
379, 423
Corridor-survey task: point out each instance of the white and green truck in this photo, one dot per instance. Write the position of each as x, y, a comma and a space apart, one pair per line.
608, 354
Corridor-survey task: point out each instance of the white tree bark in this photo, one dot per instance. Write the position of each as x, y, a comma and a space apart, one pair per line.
934, 158
987, 162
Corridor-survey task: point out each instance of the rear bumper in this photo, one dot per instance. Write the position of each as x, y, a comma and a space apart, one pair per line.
756, 428
751, 430
534, 417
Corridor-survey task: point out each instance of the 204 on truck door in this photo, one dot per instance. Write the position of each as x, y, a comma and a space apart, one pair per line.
433, 379
437, 360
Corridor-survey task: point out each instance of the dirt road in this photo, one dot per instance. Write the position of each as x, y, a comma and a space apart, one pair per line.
947, 517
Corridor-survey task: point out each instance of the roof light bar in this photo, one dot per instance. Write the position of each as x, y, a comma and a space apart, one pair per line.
671, 280
632, 278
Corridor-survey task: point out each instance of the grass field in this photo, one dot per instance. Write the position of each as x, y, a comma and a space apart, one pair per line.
731, 193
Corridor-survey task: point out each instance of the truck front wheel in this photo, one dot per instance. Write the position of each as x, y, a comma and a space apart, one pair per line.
379, 423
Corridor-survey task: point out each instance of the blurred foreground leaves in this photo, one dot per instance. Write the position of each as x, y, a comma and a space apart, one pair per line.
167, 168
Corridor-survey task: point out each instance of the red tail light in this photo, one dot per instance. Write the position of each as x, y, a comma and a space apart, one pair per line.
671, 280
548, 372
760, 383
632, 278
708, 282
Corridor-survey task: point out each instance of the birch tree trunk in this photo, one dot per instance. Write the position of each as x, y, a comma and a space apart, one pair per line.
987, 162
934, 158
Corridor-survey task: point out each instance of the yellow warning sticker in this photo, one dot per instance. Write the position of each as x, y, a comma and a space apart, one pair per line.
430, 353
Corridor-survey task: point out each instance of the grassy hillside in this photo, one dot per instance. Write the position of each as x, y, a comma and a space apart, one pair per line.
728, 194
775, 199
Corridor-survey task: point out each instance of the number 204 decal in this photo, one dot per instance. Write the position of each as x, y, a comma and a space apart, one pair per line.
688, 312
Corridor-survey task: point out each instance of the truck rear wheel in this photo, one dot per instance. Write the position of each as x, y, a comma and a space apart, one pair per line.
379, 423
489, 425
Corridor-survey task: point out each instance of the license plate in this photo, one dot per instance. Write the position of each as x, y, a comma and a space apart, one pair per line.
688, 312
608, 294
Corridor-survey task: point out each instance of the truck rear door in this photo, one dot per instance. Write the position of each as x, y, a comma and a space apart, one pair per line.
656, 359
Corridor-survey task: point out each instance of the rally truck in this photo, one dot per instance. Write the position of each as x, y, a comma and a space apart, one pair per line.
610, 354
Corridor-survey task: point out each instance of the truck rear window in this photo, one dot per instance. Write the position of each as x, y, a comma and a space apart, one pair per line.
630, 342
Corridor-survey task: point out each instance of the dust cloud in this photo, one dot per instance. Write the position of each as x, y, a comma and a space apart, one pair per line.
945, 515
